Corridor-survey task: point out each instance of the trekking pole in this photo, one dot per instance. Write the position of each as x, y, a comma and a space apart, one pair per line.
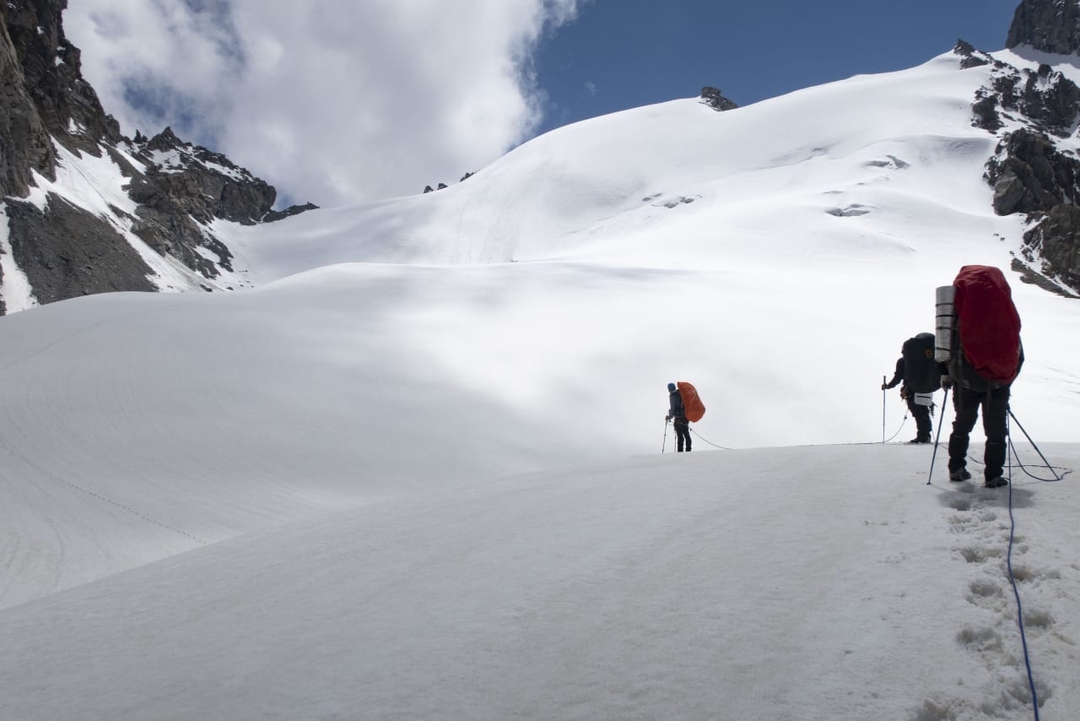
883, 382
1013, 416
941, 417
664, 447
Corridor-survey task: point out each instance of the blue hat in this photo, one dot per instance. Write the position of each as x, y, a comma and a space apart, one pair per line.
671, 386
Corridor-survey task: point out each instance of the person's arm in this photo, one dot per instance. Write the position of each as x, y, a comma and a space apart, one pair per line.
946, 377
897, 376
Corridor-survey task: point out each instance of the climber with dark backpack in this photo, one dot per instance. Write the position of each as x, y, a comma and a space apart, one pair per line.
685, 408
980, 353
921, 377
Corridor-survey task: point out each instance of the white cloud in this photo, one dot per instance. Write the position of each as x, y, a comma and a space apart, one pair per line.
333, 101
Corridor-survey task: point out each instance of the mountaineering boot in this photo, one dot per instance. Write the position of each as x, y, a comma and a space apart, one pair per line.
996, 482
920, 439
960, 475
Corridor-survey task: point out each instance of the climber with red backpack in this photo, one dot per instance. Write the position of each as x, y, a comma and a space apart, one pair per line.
685, 407
979, 352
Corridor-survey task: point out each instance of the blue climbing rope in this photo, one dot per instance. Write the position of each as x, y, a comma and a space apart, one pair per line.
706, 440
1015, 588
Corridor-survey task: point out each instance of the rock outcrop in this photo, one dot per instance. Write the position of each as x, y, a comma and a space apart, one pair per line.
714, 99
1044, 99
1057, 240
25, 144
1051, 26
50, 117
1035, 114
67, 252
1030, 175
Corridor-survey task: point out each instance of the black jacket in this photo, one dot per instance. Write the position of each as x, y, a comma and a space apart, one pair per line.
899, 375
677, 410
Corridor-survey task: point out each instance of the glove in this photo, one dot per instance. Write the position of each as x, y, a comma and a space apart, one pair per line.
946, 382
884, 386
667, 418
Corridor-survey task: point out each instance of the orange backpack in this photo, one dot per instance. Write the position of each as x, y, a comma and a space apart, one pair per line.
691, 401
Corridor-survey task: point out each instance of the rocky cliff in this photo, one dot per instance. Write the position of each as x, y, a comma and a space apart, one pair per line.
146, 225
1035, 112
1051, 26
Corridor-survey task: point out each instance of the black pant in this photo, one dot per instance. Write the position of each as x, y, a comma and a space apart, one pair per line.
995, 404
923, 427
682, 432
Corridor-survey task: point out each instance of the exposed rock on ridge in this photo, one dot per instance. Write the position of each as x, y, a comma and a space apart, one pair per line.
1052, 26
1032, 112
58, 266
51, 117
25, 145
52, 69
714, 99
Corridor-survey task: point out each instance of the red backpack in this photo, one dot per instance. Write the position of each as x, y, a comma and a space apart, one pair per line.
987, 323
692, 405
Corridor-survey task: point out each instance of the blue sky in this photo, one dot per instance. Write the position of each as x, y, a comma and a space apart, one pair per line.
621, 54
342, 101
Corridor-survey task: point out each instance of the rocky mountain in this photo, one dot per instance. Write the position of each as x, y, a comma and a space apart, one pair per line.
1036, 114
157, 198
156, 201
1051, 26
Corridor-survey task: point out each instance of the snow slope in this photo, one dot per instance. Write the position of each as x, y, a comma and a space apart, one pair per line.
798, 583
312, 499
761, 180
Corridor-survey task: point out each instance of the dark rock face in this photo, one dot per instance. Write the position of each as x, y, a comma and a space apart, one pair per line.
24, 142
52, 67
65, 252
46, 109
1045, 99
970, 57
201, 183
715, 100
289, 212
987, 102
1030, 174
1052, 26
1057, 239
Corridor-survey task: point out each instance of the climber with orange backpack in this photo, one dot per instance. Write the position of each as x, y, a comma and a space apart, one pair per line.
685, 407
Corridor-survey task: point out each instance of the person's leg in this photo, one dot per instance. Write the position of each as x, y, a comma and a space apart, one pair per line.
922, 422
680, 433
914, 411
995, 423
966, 405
